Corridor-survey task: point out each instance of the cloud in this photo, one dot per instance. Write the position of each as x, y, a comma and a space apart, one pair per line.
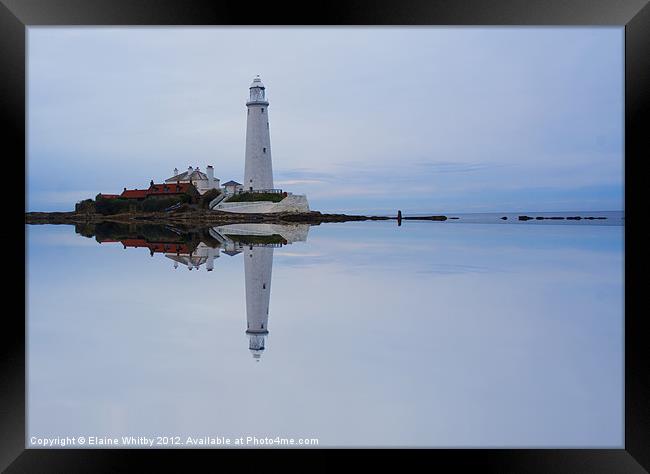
456, 167
293, 182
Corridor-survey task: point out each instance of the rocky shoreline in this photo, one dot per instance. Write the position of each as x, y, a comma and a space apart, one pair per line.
198, 217
559, 218
202, 218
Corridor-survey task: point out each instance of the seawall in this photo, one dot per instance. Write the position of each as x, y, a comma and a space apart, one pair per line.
293, 203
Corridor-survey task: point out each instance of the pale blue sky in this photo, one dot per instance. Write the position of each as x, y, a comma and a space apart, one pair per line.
362, 119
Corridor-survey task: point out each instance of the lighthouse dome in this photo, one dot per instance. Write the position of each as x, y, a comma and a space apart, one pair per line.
257, 82
257, 93
257, 354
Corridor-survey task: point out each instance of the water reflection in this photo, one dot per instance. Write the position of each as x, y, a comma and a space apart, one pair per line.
522, 329
200, 247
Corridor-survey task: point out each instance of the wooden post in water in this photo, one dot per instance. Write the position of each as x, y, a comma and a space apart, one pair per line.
399, 217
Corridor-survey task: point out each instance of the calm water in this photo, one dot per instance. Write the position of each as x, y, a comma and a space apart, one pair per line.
427, 334
616, 218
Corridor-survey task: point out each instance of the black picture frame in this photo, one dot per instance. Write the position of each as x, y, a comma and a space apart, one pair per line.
634, 15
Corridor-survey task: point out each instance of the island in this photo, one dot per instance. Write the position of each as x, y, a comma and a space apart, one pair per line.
188, 217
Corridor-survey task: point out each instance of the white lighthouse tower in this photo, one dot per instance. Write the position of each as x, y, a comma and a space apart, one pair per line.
258, 264
258, 172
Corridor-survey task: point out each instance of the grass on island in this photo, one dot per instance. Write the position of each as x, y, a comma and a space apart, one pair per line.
252, 197
257, 239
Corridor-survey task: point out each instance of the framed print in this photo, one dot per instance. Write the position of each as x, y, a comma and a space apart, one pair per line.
396, 227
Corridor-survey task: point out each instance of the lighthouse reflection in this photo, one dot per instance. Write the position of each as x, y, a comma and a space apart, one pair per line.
257, 242
199, 248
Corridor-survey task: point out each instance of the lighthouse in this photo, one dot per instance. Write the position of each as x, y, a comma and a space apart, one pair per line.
258, 172
258, 264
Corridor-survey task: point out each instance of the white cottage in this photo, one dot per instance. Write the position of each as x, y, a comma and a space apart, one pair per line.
202, 181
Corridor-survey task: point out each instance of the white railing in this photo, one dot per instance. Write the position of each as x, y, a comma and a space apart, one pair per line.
217, 200
260, 191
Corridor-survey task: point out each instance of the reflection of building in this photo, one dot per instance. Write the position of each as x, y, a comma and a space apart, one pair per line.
154, 247
202, 254
260, 234
187, 253
258, 265
257, 241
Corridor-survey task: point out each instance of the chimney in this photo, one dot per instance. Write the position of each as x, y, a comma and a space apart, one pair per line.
210, 172
175, 171
189, 172
209, 263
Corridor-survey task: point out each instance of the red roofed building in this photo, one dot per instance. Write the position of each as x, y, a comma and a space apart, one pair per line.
156, 247
134, 193
160, 190
134, 243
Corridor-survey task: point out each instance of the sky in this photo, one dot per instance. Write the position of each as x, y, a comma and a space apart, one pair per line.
373, 340
422, 119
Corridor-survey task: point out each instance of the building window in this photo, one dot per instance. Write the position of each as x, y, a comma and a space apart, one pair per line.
264, 286
264, 150
262, 109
